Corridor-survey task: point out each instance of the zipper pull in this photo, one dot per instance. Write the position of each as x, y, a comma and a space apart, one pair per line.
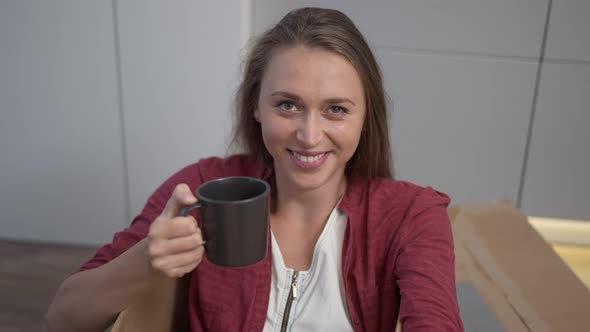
294, 284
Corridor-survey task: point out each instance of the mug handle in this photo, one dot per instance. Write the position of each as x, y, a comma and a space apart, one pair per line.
185, 210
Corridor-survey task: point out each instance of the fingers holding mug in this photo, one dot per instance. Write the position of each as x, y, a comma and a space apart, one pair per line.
175, 246
180, 198
175, 243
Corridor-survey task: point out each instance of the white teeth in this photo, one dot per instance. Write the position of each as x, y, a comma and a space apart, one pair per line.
308, 159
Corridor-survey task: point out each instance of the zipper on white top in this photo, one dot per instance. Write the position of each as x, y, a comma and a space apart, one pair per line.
294, 284
292, 295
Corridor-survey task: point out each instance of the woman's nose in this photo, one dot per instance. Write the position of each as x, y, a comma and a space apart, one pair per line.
310, 132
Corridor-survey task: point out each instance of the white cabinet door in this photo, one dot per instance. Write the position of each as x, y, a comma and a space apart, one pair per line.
476, 27
180, 68
459, 124
568, 37
557, 182
60, 140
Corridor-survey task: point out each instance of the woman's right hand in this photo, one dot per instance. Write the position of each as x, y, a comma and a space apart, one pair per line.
175, 243
90, 300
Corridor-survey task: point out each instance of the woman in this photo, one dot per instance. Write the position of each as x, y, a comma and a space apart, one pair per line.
352, 249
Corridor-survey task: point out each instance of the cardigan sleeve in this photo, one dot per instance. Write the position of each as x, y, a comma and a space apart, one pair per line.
193, 175
425, 269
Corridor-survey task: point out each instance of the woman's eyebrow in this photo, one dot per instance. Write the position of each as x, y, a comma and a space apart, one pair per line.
286, 95
327, 101
339, 101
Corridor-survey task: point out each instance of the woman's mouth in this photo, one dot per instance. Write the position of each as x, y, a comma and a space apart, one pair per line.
308, 160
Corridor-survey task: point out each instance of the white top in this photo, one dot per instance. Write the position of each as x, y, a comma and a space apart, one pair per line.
320, 304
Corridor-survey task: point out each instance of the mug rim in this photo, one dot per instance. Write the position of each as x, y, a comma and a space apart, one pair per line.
232, 178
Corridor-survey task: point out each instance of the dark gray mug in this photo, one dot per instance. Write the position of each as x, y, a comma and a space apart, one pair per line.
234, 220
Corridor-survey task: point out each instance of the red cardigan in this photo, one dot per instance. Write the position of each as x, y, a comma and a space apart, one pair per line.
397, 257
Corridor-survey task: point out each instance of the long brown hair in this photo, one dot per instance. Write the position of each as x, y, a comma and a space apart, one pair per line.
333, 31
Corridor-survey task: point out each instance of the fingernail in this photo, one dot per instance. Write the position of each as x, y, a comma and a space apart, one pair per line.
188, 198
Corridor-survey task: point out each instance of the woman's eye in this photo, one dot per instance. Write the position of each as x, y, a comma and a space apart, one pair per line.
286, 106
338, 110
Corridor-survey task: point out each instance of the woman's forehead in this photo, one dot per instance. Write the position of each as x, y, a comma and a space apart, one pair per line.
311, 71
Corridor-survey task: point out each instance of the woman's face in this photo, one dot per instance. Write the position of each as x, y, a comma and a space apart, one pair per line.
311, 110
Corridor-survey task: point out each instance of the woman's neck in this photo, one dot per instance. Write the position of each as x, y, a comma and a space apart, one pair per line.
296, 204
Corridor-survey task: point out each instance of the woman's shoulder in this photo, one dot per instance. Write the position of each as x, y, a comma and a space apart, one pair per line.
389, 193
215, 167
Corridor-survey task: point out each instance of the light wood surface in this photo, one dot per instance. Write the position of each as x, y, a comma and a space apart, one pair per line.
577, 258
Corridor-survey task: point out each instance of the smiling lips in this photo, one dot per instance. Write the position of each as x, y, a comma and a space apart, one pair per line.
308, 160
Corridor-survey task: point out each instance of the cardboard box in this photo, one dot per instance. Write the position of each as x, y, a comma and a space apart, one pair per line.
508, 279
521, 283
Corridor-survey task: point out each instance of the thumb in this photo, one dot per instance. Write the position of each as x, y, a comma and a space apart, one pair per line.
181, 197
